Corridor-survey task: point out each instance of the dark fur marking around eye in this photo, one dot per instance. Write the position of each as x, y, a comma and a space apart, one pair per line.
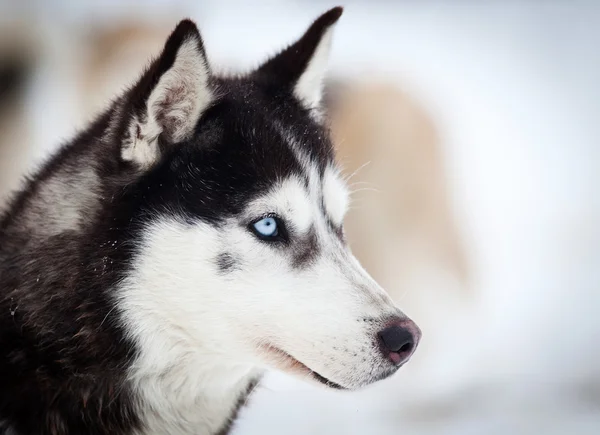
306, 249
226, 262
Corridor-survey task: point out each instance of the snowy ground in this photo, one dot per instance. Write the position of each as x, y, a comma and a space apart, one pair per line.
514, 87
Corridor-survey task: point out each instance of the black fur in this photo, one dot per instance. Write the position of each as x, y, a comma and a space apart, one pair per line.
63, 349
226, 262
306, 250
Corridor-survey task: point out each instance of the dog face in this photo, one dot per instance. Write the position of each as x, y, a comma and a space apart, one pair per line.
241, 259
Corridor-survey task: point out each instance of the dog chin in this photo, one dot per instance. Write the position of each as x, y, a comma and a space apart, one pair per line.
287, 363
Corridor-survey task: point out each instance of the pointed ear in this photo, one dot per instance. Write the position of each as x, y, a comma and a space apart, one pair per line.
169, 98
302, 66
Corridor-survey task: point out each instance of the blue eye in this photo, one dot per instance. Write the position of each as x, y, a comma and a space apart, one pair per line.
266, 227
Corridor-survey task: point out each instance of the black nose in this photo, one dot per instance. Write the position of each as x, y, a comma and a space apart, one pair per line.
399, 340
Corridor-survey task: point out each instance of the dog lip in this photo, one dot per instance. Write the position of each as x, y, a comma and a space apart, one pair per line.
316, 376
326, 381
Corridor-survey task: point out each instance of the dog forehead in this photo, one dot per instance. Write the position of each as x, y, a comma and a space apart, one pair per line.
257, 112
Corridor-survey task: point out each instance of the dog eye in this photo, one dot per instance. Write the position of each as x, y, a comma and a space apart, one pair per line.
266, 227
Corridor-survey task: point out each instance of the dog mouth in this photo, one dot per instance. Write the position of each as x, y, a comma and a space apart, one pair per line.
288, 363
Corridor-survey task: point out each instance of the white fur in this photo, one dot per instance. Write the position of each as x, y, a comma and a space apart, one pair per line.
187, 380
201, 332
174, 106
288, 198
335, 195
141, 145
309, 87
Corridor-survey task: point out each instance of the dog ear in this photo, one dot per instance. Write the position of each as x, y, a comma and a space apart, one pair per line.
170, 97
302, 65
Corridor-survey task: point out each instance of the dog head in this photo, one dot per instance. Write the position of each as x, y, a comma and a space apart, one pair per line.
239, 203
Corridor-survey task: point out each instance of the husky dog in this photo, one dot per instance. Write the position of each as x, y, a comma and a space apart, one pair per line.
188, 240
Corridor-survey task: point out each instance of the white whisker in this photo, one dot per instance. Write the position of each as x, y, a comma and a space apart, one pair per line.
349, 177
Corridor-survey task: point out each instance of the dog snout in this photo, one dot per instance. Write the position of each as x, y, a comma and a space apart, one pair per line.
398, 340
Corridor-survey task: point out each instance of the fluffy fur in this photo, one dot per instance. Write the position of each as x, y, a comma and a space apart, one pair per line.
135, 297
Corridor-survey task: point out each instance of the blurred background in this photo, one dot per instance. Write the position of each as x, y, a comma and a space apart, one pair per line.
470, 132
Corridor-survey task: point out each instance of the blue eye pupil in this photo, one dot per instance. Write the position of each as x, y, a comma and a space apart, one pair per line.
266, 227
